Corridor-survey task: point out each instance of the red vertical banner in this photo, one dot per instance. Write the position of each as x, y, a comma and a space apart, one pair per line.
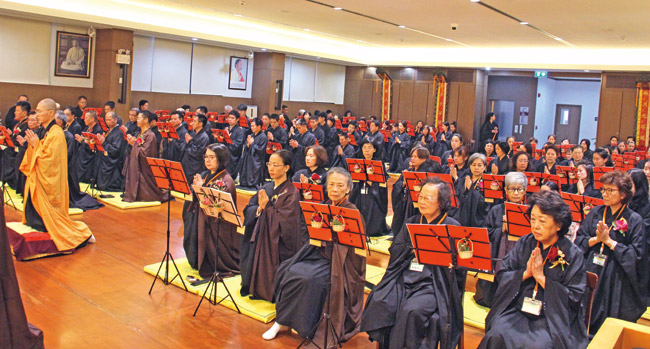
440, 85
386, 93
643, 105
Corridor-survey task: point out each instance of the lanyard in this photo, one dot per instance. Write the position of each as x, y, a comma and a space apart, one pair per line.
440, 221
543, 264
213, 178
620, 212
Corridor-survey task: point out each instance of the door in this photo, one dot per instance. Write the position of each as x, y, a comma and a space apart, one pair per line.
505, 112
567, 122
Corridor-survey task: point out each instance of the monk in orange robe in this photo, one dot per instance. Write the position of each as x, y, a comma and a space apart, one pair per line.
46, 189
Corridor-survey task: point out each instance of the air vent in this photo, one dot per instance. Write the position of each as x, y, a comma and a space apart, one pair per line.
620, 81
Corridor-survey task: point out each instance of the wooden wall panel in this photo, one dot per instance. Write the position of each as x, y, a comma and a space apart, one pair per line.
352, 101
338, 109
375, 90
366, 98
609, 114
171, 101
628, 113
395, 108
452, 104
420, 100
430, 103
62, 95
406, 97
465, 115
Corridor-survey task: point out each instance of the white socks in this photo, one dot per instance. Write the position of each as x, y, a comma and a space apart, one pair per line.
273, 331
92, 239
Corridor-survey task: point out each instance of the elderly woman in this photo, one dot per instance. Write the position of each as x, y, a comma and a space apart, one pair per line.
302, 282
515, 186
315, 160
415, 307
612, 238
472, 206
541, 285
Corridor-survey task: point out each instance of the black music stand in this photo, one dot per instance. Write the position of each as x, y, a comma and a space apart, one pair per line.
351, 235
5, 140
227, 212
169, 175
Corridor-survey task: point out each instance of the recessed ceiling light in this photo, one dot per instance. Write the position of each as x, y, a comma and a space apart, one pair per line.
586, 70
475, 0
263, 49
317, 57
523, 23
306, 29
337, 8
558, 39
195, 39
360, 41
237, 15
401, 26
488, 68
449, 39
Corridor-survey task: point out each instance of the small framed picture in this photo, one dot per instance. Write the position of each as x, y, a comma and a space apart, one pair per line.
238, 73
72, 55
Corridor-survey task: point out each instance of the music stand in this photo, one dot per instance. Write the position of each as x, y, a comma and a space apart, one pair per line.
169, 175
337, 124
227, 212
564, 148
102, 123
272, 147
352, 140
96, 147
188, 118
310, 192
387, 135
222, 136
517, 221
493, 187
167, 130
362, 126
580, 205
568, 175
548, 177
435, 158
414, 181
534, 182
367, 170
351, 235
5, 140
243, 122
599, 171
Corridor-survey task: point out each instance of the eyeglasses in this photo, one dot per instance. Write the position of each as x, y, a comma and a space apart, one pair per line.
268, 164
427, 198
516, 190
211, 157
608, 191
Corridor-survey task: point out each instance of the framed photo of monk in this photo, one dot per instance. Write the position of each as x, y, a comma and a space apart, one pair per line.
73, 52
238, 73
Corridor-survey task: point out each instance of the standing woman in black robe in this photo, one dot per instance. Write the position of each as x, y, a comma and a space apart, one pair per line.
371, 197
501, 164
612, 238
202, 231
472, 206
315, 173
489, 130
415, 307
641, 205
400, 148
585, 183
541, 285
301, 283
274, 230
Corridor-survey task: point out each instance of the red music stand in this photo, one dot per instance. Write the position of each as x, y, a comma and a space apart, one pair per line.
222, 136
123, 129
493, 187
435, 158
515, 146
367, 170
212, 116
102, 123
93, 142
450, 161
534, 182
410, 130
580, 205
517, 221
243, 122
221, 118
96, 110
5, 140
481, 259
347, 119
414, 181
362, 126
310, 192
160, 113
169, 175
547, 177
5, 137
167, 130
629, 161
387, 135
599, 171
272, 147
640, 155
352, 140
164, 117
338, 125
567, 174
564, 148
189, 118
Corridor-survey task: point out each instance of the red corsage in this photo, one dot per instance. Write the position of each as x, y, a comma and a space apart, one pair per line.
315, 178
139, 141
220, 185
552, 254
621, 225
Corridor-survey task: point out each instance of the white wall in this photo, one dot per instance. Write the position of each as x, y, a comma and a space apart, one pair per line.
311, 81
553, 92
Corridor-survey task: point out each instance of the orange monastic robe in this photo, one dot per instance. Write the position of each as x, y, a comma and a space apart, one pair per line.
46, 168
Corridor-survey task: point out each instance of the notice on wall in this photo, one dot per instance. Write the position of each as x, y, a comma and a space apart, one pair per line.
523, 115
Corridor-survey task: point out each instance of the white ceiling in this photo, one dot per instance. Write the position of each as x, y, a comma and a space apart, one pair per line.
595, 34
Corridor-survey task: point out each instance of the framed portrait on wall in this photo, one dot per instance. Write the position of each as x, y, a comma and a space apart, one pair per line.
73, 52
238, 73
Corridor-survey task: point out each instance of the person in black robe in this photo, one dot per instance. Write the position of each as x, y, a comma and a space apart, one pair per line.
302, 282
613, 240
140, 184
299, 142
202, 231
400, 148
315, 130
78, 111
109, 173
459, 170
417, 308
10, 161
375, 137
353, 130
585, 184
322, 124
274, 230
10, 120
195, 143
501, 164
131, 126
500, 245
275, 133
342, 152
333, 136
315, 173
174, 149
548, 268
72, 125
472, 205
641, 205
237, 135
252, 162
371, 197
455, 143
547, 165
585, 144
87, 159
489, 129
76, 198
443, 139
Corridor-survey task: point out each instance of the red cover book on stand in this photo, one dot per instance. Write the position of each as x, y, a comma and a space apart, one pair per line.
222, 136
567, 174
599, 171
493, 187
367, 170
5, 137
517, 221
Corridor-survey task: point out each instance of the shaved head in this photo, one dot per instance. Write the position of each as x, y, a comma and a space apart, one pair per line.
48, 104
45, 111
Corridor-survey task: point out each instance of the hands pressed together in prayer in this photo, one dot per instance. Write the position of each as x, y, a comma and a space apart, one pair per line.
31, 138
198, 180
535, 267
188, 138
130, 139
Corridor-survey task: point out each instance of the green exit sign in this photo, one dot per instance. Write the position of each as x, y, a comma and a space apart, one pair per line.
541, 74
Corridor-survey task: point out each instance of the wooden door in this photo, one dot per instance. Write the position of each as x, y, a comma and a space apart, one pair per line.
567, 122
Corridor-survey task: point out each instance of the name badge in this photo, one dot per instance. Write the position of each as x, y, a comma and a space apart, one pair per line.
415, 266
532, 306
599, 259
364, 191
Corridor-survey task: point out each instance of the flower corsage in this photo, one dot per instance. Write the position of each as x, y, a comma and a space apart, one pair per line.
556, 256
620, 225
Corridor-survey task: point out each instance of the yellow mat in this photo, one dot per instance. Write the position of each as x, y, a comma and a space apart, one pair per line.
17, 202
116, 200
246, 192
373, 275
260, 310
380, 244
181, 196
394, 175
646, 315
474, 314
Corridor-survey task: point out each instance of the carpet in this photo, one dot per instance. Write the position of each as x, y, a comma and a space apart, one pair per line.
17, 202
27, 244
116, 200
474, 314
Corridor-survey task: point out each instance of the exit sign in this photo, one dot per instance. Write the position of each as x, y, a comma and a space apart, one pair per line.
541, 74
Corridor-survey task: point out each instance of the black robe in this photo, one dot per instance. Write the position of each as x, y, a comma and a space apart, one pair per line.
77, 198
590, 190
378, 140
342, 160
192, 161
302, 282
319, 135
486, 133
75, 128
253, 162
273, 237
88, 160
399, 151
561, 322
139, 182
304, 141
109, 174
174, 149
499, 244
238, 137
541, 166
503, 165
472, 206
641, 206
403, 207
10, 118
132, 128
372, 200
411, 309
279, 136
9, 168
320, 171
622, 282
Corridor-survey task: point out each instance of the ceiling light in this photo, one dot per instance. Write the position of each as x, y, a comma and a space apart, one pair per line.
586, 70
523, 23
306, 29
263, 49
449, 39
558, 39
195, 39
337, 8
401, 26
237, 15
317, 57
475, 0
488, 68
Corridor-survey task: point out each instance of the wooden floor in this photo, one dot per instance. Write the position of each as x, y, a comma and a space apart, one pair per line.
97, 297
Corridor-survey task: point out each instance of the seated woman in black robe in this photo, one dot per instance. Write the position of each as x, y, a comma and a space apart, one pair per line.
401, 145
371, 197
403, 207
459, 170
612, 238
585, 184
601, 158
641, 205
301, 284
547, 164
500, 245
415, 307
541, 285
472, 205
501, 164
315, 159
521, 162
454, 144
275, 230
202, 231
